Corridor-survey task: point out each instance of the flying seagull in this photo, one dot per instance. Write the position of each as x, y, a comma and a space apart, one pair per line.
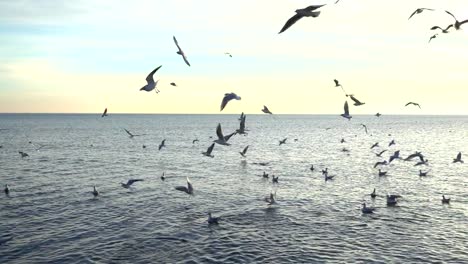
300, 13
365, 127
163, 144
242, 129
105, 113
130, 134
378, 114
380, 163
227, 53
457, 23
458, 159
396, 155
413, 103
151, 84
337, 84
173, 84
392, 143
244, 151
415, 155
346, 111
281, 142
380, 153
129, 183
180, 52
221, 139
188, 189
266, 110
228, 97
445, 31
432, 37
419, 11
23, 154
209, 150
375, 145
195, 140
356, 101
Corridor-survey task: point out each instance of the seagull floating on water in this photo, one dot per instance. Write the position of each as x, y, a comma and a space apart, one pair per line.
312, 168
266, 110
180, 51
129, 183
212, 220
188, 189
95, 192
382, 173
6, 190
274, 179
367, 210
423, 174
346, 111
23, 154
209, 150
300, 13
458, 159
265, 175
373, 194
228, 97
392, 199
445, 200
419, 11
151, 84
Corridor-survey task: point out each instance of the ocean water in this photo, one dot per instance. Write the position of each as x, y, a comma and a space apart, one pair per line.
51, 216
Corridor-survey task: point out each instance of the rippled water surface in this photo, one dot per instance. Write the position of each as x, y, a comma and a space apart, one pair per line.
51, 216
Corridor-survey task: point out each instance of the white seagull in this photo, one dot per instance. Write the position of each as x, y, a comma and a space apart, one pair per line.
180, 52
151, 84
228, 97
221, 139
367, 210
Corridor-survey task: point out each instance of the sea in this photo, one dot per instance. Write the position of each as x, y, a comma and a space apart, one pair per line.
51, 216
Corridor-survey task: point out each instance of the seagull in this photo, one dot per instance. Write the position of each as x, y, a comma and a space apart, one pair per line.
375, 145
129, 183
23, 154
242, 129
209, 150
151, 84
328, 178
271, 200
423, 174
365, 127
457, 23
391, 143
373, 194
265, 175
356, 101
345, 150
241, 116
382, 173
367, 210
346, 111
195, 140
228, 97
445, 200
180, 52
212, 220
95, 192
380, 163
144, 146
163, 177
413, 103
392, 199
227, 53
130, 134
312, 168
244, 151
419, 11
6, 190
188, 189
378, 114
458, 159
380, 153
281, 142
396, 155
221, 139
422, 162
300, 13
445, 31
432, 37
343, 140
325, 171
105, 113
274, 179
266, 110
337, 84
414, 155
173, 84
163, 144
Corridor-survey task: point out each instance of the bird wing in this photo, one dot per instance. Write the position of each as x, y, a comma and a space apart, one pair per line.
226, 138
266, 110
413, 13
451, 15
245, 149
290, 22
354, 99
132, 181
149, 78
185, 59
227, 97
312, 8
210, 149
336, 82
463, 22
417, 105
128, 132
459, 156
346, 108
409, 103
105, 112
181, 188
242, 123
177, 44
219, 132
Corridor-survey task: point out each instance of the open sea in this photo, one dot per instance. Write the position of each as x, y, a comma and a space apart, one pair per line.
50, 215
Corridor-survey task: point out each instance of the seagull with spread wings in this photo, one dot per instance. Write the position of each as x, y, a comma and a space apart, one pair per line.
457, 23
105, 113
181, 52
419, 11
300, 13
228, 97
266, 110
131, 135
151, 84
356, 101
413, 103
346, 111
129, 183
244, 151
208, 151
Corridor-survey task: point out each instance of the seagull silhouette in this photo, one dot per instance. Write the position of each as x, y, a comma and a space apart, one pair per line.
432, 37
162, 145
180, 51
228, 97
300, 13
209, 150
129, 183
150, 83
281, 142
457, 23
445, 31
458, 159
244, 151
413, 103
346, 111
365, 127
130, 134
266, 110
188, 189
356, 101
419, 11
337, 84
105, 113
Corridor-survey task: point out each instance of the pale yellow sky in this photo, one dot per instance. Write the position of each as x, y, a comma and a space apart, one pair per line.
83, 57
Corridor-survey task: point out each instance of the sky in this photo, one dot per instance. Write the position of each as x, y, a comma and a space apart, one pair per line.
85, 55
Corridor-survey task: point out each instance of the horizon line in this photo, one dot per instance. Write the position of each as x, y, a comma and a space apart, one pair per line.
121, 113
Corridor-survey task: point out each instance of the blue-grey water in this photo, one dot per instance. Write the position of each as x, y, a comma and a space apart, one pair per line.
51, 216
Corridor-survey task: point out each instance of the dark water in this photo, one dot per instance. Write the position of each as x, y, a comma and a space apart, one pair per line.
51, 216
